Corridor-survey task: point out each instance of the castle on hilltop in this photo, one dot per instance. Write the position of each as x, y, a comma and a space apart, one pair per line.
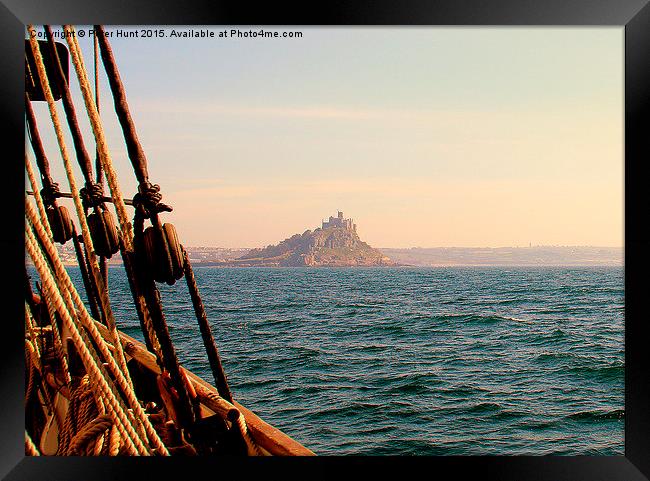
339, 221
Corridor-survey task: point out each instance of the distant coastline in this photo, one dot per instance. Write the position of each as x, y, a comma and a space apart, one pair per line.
569, 256
550, 256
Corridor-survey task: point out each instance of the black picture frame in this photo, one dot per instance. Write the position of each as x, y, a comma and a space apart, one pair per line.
633, 15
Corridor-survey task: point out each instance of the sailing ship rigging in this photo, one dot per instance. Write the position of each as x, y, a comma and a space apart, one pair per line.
90, 388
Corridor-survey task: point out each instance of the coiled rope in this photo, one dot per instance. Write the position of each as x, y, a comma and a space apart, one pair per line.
90, 432
85, 349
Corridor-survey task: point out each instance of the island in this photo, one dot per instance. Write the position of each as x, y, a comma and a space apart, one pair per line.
336, 244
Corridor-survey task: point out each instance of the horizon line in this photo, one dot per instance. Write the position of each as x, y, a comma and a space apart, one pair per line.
449, 247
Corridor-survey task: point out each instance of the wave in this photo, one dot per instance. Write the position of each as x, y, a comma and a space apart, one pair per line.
390, 328
484, 319
614, 371
301, 389
598, 415
344, 410
554, 356
370, 347
377, 430
506, 414
484, 407
461, 391
411, 383
490, 319
272, 322
359, 305
516, 319
540, 425
548, 338
309, 351
469, 318
258, 383
415, 387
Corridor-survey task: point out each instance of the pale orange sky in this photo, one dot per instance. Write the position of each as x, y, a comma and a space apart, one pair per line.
425, 136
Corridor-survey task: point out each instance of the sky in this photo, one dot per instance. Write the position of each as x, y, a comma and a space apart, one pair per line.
426, 136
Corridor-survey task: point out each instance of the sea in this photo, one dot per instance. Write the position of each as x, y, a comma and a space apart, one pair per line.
413, 361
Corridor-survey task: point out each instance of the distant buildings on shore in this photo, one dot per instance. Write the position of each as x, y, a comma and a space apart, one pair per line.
339, 221
437, 256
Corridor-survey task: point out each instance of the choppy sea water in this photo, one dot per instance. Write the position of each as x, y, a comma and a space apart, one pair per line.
413, 361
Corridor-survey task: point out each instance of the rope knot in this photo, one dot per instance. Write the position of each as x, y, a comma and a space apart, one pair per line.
92, 195
50, 192
147, 201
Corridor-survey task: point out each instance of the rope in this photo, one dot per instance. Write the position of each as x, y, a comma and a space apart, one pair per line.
185, 408
30, 324
58, 343
89, 433
84, 267
97, 338
49, 186
126, 430
147, 203
82, 408
35, 360
30, 447
31, 374
127, 238
58, 347
135, 151
127, 234
87, 352
63, 276
103, 266
88, 243
101, 441
98, 163
220, 380
80, 149
251, 445
37, 196
144, 316
113, 442
100, 138
126, 244
65, 297
92, 195
36, 372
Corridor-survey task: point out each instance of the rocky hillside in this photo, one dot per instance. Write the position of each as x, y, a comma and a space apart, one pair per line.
330, 246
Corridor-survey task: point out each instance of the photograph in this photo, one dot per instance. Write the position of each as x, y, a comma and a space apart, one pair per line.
324, 240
